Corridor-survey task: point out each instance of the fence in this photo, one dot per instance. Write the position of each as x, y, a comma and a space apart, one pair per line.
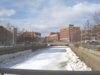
46, 72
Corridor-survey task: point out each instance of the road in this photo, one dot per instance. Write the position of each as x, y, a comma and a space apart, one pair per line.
53, 58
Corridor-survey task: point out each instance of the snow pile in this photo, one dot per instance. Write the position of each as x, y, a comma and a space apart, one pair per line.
8, 59
74, 63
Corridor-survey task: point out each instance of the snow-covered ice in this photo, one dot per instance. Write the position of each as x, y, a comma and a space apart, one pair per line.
53, 58
8, 60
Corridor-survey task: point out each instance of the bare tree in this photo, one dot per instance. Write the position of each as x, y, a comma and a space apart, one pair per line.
96, 18
87, 32
92, 32
96, 29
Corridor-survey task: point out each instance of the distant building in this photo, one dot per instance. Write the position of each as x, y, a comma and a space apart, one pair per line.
92, 34
64, 34
28, 36
53, 36
7, 35
13, 31
44, 39
96, 33
86, 35
70, 34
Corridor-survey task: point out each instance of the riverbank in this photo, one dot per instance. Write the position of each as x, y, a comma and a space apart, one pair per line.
10, 50
90, 57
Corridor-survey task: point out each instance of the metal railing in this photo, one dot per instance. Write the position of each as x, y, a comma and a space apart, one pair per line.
4, 71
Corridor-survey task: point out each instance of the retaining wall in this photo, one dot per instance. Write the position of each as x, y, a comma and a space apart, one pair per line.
9, 50
88, 56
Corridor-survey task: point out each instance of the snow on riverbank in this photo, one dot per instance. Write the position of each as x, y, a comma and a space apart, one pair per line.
53, 58
74, 63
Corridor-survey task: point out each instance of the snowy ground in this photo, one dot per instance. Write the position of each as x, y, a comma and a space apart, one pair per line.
53, 58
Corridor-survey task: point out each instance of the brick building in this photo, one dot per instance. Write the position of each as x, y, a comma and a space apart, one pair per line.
53, 36
64, 33
96, 33
70, 34
92, 34
28, 37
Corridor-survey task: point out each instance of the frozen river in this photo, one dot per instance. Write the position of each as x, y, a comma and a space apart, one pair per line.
53, 58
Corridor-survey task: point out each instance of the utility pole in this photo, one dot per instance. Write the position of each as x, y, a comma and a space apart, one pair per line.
81, 37
13, 36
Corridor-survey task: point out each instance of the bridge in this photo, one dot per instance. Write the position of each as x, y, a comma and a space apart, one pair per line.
58, 43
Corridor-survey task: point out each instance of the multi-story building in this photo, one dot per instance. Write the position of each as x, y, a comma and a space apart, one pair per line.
91, 34
96, 33
86, 35
28, 36
7, 35
13, 31
64, 33
53, 36
70, 34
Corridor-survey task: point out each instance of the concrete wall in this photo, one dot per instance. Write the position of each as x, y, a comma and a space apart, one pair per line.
91, 58
33, 47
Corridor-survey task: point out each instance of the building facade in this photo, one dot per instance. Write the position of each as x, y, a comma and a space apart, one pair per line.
53, 36
7, 35
28, 36
70, 34
64, 34
96, 33
13, 31
92, 34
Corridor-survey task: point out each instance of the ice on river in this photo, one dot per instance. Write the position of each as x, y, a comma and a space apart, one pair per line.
53, 58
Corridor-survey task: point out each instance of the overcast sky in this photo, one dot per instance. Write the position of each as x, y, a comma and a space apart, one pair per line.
46, 15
